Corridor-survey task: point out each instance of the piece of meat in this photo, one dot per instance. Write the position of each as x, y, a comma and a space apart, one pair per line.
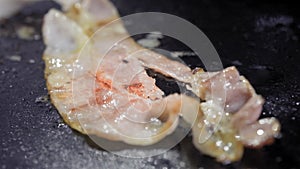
97, 80
101, 90
260, 133
229, 116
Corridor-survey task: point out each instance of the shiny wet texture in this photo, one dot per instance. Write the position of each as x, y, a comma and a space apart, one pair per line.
33, 134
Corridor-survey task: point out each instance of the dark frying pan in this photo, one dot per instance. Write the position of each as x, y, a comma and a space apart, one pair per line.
260, 38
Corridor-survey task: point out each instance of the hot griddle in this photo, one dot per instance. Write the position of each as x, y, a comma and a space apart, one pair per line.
260, 38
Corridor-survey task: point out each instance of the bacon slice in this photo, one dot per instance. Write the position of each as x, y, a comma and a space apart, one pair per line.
101, 87
102, 91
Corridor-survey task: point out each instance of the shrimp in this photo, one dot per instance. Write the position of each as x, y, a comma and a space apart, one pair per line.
102, 88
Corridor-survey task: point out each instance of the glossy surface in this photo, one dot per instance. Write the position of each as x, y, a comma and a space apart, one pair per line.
33, 134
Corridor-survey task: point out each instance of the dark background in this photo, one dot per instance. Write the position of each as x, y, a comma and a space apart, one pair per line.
261, 38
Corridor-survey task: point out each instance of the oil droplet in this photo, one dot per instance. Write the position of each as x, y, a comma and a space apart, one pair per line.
260, 132
219, 143
226, 148
60, 125
41, 99
182, 164
15, 58
31, 61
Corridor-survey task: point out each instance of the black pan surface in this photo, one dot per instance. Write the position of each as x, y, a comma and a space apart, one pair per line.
261, 38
